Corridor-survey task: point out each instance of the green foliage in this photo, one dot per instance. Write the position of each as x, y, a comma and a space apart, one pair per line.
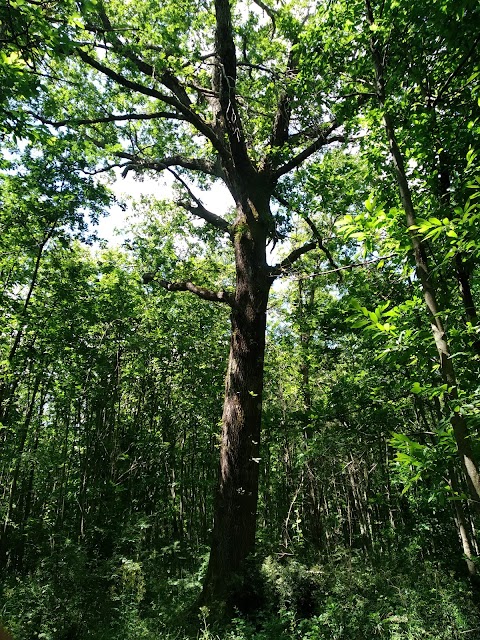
346, 600
111, 389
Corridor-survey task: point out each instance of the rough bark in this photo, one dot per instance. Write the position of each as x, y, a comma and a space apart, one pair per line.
233, 538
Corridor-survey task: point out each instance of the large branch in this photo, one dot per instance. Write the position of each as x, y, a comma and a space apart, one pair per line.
201, 292
284, 108
212, 218
271, 13
193, 164
225, 80
322, 140
199, 210
108, 118
292, 257
188, 115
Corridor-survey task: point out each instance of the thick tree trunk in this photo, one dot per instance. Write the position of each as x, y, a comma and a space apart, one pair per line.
233, 538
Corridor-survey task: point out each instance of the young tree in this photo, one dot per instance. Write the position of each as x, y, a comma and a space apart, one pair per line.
424, 273
411, 108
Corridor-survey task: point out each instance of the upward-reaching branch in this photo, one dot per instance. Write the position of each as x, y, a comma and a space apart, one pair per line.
225, 80
315, 232
323, 139
457, 70
188, 115
166, 77
321, 244
284, 108
199, 210
292, 257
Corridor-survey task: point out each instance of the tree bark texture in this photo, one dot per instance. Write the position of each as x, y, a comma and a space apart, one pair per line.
233, 538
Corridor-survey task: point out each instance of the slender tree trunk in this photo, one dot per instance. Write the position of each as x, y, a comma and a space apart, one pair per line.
464, 531
425, 276
459, 426
13, 494
4, 386
462, 273
233, 538
306, 300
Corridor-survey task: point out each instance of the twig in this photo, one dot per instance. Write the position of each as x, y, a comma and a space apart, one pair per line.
354, 265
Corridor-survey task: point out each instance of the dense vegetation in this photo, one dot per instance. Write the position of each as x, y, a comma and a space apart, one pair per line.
332, 312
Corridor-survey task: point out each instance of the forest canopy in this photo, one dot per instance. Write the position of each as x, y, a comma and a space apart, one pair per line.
262, 421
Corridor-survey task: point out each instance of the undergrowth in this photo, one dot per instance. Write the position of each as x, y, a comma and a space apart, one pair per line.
345, 599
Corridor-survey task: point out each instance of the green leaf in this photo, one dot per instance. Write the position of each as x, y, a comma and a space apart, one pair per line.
416, 388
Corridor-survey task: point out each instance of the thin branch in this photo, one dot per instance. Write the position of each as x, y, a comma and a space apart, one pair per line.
457, 70
106, 119
347, 267
108, 167
201, 292
193, 164
260, 67
203, 90
125, 82
320, 142
314, 230
363, 95
206, 56
321, 245
305, 134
